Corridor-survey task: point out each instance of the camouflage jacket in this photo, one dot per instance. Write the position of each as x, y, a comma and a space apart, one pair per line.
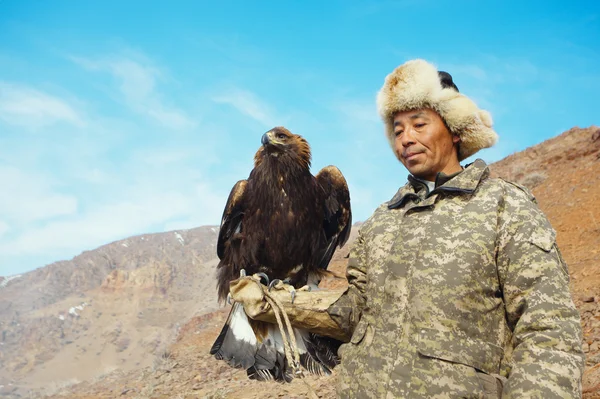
460, 292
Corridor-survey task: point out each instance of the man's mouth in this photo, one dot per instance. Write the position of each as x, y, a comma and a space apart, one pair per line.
410, 155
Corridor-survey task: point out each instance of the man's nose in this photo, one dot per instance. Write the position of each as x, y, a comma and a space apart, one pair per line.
407, 138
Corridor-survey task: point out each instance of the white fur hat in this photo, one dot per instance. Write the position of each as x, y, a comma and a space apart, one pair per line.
418, 84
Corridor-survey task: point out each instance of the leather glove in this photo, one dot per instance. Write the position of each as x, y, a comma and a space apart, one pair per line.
308, 310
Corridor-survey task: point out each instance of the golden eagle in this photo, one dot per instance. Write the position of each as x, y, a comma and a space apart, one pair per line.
285, 223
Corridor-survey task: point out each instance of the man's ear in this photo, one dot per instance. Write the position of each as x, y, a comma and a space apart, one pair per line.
455, 138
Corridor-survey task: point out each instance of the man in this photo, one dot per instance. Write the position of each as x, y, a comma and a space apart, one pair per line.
457, 288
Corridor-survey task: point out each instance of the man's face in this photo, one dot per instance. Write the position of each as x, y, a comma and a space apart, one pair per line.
424, 145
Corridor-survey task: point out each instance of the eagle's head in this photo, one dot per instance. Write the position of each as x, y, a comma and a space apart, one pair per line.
285, 146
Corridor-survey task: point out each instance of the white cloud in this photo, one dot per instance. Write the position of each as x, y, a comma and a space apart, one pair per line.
30, 197
137, 82
119, 220
232, 46
162, 157
522, 71
101, 225
92, 175
250, 105
362, 200
150, 191
4, 227
207, 210
171, 118
137, 85
494, 72
179, 156
24, 106
472, 71
365, 111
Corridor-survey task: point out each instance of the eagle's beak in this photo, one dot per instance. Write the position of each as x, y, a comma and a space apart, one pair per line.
265, 140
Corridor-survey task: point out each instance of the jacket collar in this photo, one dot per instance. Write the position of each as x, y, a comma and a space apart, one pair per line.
465, 181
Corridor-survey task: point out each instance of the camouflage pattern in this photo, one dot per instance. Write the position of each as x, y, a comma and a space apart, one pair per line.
459, 293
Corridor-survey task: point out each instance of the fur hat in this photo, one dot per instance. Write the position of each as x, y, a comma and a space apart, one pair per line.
418, 84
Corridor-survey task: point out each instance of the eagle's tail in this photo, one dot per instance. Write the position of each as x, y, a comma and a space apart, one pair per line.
236, 344
316, 356
258, 348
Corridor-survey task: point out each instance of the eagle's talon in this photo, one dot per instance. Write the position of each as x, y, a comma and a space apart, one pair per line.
306, 288
274, 283
264, 279
229, 299
242, 272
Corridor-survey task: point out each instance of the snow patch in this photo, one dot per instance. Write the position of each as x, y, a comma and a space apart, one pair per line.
73, 310
61, 317
213, 229
125, 245
6, 280
179, 238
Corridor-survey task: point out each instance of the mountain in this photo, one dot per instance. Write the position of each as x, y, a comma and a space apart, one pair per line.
115, 307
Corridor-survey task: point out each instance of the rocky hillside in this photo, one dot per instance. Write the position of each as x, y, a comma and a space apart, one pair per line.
115, 307
563, 174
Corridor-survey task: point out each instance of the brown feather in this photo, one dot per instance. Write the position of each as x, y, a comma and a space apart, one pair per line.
260, 329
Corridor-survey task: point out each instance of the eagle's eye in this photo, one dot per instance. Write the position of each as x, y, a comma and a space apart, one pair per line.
281, 136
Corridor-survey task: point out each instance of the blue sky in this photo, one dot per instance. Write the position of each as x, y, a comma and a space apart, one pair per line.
122, 118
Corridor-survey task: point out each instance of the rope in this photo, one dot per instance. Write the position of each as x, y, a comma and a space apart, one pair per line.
289, 347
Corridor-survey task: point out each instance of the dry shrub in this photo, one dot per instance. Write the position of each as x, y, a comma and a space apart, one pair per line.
533, 179
163, 360
122, 344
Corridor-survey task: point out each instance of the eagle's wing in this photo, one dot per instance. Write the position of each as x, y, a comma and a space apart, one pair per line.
338, 214
231, 221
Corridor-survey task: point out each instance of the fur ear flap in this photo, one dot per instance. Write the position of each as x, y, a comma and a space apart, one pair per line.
486, 118
418, 84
